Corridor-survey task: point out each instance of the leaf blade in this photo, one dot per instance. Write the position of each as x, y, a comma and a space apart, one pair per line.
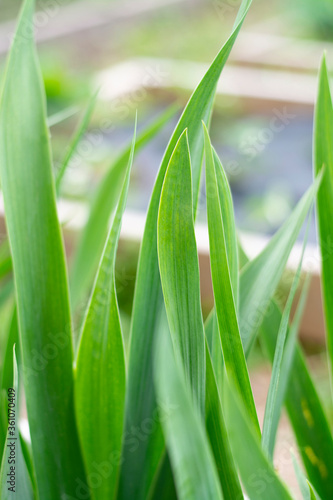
140, 401
179, 268
190, 454
233, 354
31, 217
323, 160
100, 385
95, 231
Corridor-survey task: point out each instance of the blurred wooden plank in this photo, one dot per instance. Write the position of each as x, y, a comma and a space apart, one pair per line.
57, 21
249, 83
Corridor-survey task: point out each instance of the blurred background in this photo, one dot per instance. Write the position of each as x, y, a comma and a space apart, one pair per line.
146, 55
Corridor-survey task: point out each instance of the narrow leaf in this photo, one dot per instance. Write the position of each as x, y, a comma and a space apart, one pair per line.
215, 348
61, 116
260, 277
257, 473
92, 239
14, 476
304, 407
100, 369
305, 410
75, 141
140, 399
39, 268
323, 160
232, 347
218, 437
179, 268
191, 457
273, 402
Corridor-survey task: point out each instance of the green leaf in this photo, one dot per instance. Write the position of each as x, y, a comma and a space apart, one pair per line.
256, 472
164, 487
313, 494
274, 401
260, 277
233, 354
190, 454
92, 239
289, 352
5, 259
61, 116
215, 348
75, 141
19, 480
12, 340
179, 268
140, 400
227, 215
39, 268
218, 437
305, 486
323, 160
305, 410
100, 369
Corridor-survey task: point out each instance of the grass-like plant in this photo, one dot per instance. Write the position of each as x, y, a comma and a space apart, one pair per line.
175, 417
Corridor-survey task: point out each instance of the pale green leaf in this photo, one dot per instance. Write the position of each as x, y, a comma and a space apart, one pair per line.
95, 231
100, 369
140, 400
305, 410
14, 476
257, 473
260, 277
39, 268
273, 401
75, 141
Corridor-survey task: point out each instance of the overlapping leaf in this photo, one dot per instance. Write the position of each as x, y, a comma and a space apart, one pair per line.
141, 466
218, 436
232, 347
257, 473
95, 230
305, 410
191, 457
100, 370
179, 268
274, 401
260, 277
